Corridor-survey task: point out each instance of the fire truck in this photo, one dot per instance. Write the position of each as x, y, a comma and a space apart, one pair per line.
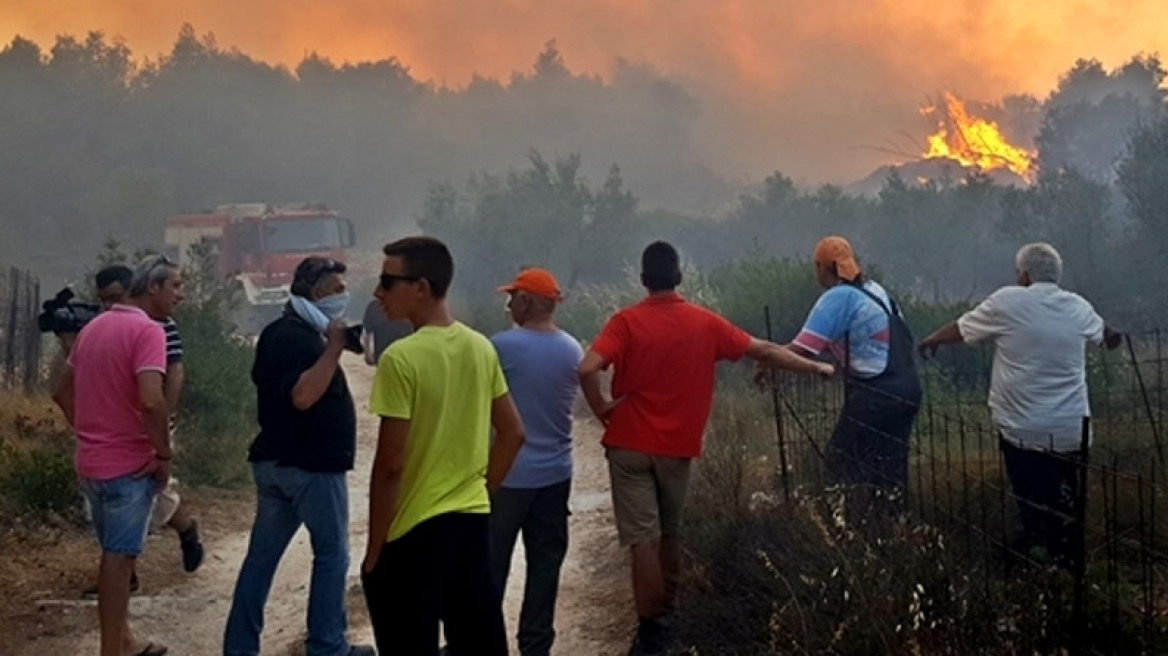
261, 244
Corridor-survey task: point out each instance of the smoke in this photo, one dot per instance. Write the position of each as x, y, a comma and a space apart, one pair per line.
818, 90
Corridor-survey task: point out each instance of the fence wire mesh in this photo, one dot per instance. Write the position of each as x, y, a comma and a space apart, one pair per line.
1094, 554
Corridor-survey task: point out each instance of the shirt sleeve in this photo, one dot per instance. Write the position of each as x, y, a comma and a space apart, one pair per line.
498, 380
150, 350
577, 350
826, 324
982, 322
394, 385
732, 340
174, 343
499, 341
613, 339
1093, 324
288, 356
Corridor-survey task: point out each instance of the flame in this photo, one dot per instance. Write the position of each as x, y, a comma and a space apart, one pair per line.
974, 142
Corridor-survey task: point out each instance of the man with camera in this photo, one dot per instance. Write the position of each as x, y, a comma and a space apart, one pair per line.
113, 395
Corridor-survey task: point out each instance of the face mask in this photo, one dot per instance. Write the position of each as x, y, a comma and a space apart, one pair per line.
333, 306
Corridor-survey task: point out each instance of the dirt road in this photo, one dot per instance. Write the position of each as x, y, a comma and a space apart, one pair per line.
594, 610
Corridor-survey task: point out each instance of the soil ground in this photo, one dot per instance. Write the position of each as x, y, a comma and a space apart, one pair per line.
44, 568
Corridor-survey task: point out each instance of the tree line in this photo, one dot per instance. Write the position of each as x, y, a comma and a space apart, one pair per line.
550, 167
96, 142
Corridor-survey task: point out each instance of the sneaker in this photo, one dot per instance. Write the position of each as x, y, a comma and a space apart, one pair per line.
362, 650
90, 593
192, 547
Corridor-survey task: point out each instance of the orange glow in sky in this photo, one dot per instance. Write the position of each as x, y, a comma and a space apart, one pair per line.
839, 73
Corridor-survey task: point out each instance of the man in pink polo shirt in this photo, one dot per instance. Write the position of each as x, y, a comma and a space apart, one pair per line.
112, 394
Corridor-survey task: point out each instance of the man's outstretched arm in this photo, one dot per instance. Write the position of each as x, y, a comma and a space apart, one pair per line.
773, 356
947, 334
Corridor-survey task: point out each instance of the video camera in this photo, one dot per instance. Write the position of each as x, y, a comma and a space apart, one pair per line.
61, 314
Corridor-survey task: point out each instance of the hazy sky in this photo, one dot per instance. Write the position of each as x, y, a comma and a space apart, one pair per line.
811, 87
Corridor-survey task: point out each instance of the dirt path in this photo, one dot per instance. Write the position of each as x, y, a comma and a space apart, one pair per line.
594, 610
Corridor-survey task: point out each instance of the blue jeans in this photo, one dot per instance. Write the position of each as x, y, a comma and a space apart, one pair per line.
286, 498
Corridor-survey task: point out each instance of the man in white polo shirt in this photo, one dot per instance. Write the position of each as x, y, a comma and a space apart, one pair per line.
1038, 392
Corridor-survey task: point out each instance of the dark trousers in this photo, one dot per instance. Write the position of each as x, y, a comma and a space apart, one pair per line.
1047, 491
437, 572
541, 514
870, 445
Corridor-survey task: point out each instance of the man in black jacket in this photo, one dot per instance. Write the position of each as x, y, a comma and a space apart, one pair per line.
305, 447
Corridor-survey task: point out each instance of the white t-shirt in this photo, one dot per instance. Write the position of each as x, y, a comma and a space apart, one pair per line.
1038, 393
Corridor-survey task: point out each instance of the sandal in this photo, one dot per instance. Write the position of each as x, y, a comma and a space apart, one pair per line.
152, 649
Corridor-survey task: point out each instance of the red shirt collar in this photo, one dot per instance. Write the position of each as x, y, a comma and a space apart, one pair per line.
672, 297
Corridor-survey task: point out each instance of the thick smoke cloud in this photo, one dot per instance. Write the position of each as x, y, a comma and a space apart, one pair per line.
814, 89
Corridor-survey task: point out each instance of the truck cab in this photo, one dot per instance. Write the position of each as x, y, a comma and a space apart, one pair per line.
260, 245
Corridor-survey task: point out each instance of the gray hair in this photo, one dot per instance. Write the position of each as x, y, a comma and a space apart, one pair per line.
1040, 261
156, 269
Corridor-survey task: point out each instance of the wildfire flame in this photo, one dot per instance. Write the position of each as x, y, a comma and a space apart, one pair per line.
973, 141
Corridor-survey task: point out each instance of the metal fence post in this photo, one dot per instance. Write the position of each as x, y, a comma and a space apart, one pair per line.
778, 412
1080, 571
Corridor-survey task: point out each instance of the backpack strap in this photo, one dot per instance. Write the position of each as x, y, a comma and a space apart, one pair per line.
878, 301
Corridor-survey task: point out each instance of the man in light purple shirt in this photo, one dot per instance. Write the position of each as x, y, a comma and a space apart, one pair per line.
539, 361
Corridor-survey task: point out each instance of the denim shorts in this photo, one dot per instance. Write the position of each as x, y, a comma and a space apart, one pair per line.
121, 510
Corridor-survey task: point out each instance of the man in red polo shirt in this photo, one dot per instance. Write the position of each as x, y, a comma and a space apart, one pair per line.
664, 351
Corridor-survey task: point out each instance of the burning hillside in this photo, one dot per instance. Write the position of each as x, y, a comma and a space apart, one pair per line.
961, 143
972, 141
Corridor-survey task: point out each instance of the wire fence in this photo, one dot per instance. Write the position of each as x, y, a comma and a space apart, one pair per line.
20, 340
1094, 511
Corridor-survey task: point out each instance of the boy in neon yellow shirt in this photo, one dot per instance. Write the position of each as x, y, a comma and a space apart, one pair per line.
438, 392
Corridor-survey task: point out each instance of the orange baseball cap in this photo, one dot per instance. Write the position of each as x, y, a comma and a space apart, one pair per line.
535, 281
837, 251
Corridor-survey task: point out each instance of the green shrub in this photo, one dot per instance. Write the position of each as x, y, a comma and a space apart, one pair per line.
743, 288
39, 481
586, 308
217, 408
36, 466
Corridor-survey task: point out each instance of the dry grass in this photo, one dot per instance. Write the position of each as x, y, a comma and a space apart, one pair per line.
36, 461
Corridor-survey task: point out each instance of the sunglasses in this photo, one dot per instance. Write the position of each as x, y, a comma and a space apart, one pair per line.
322, 268
387, 279
157, 261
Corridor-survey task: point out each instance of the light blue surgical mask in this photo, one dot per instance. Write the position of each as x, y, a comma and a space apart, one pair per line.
333, 306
